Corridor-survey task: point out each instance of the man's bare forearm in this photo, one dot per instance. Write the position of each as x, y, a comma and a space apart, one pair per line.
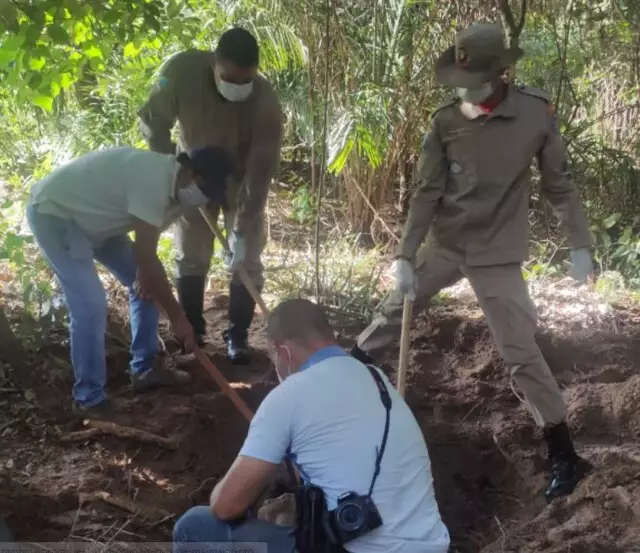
154, 279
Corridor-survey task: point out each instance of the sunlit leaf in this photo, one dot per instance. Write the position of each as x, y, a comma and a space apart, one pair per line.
55, 88
66, 80
81, 33
93, 52
130, 50
45, 102
611, 221
36, 63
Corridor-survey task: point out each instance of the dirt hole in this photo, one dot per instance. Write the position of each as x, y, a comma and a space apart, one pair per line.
487, 459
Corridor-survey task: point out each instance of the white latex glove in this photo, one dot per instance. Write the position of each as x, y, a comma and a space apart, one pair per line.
237, 251
581, 265
405, 278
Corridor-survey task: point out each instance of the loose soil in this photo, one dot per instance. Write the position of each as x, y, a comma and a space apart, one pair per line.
487, 459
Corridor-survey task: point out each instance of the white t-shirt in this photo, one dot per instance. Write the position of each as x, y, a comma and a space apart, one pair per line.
102, 192
330, 417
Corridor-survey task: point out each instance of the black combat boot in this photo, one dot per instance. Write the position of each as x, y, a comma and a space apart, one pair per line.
241, 309
191, 298
567, 469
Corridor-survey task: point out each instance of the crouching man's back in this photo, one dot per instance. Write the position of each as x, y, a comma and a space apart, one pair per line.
328, 415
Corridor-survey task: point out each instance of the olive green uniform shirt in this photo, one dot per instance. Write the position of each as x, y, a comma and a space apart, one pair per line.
474, 177
251, 131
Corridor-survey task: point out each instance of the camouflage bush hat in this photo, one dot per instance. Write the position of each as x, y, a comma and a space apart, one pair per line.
479, 54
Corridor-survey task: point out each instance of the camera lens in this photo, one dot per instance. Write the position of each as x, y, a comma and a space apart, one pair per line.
350, 516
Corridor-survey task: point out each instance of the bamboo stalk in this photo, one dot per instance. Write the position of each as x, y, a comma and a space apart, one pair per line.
407, 311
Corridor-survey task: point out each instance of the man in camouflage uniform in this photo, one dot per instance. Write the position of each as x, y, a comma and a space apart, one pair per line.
219, 99
473, 180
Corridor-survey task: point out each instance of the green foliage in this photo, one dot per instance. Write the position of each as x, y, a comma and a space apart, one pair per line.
46, 46
618, 248
303, 206
16, 255
75, 74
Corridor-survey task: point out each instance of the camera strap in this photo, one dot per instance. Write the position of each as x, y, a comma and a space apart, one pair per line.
385, 397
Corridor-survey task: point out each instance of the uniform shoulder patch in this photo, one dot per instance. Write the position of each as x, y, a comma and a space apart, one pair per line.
447, 103
535, 92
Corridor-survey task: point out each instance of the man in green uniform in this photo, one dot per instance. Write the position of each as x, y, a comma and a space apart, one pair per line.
473, 180
219, 99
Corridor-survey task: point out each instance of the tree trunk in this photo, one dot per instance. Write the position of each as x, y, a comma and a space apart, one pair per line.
512, 28
406, 51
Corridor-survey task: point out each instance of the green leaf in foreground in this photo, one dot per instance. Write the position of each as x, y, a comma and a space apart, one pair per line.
45, 102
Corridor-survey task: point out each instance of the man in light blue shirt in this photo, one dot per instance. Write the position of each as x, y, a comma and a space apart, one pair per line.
328, 416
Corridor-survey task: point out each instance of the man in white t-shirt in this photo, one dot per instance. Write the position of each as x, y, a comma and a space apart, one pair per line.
83, 211
328, 418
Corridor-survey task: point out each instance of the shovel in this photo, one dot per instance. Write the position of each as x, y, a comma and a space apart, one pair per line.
242, 272
224, 385
240, 404
405, 336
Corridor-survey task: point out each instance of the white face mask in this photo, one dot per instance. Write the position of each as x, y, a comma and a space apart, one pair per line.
192, 196
277, 366
231, 91
476, 95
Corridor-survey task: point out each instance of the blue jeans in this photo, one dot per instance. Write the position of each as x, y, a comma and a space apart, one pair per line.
198, 525
71, 255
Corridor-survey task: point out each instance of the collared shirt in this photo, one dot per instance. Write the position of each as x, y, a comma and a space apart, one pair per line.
322, 354
103, 192
474, 181
329, 415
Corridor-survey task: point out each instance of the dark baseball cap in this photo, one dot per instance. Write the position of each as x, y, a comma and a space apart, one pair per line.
214, 165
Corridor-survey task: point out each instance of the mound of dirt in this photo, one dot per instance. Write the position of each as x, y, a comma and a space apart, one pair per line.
488, 461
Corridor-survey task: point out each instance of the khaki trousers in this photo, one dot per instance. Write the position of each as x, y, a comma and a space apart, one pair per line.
194, 245
504, 298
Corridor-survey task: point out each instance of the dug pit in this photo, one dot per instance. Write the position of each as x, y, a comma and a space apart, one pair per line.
487, 460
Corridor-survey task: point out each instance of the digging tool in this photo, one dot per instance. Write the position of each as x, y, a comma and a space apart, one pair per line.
407, 310
235, 398
242, 272
224, 385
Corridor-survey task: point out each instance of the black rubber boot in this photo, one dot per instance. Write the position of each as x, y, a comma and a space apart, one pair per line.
191, 298
241, 310
567, 469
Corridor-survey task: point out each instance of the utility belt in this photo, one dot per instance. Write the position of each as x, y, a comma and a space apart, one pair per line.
319, 530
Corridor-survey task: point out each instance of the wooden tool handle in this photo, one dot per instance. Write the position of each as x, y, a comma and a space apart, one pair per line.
224, 385
242, 272
237, 401
405, 338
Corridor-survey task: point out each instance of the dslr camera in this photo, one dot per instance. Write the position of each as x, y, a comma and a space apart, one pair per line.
354, 516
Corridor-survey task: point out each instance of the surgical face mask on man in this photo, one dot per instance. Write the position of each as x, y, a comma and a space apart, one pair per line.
192, 196
231, 91
476, 95
281, 379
